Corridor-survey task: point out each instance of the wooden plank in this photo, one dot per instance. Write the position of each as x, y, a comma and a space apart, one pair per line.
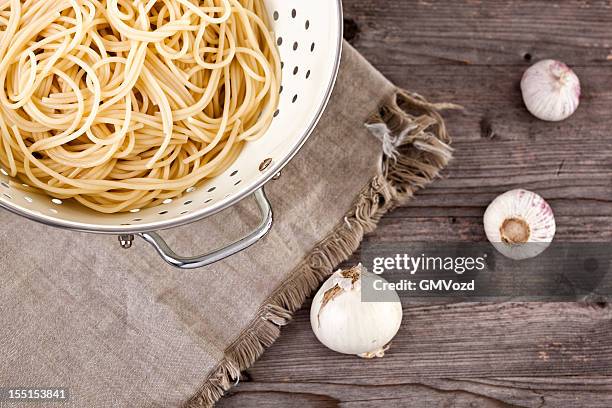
475, 32
489, 393
328, 395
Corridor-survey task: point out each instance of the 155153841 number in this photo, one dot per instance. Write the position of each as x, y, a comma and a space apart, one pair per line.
33, 394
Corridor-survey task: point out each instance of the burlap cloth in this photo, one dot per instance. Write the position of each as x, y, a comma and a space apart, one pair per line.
120, 328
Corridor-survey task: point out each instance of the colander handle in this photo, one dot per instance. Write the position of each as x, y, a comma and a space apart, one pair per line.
217, 255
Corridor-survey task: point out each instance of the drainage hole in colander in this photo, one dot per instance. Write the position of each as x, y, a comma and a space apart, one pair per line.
312, 47
294, 99
7, 196
276, 16
307, 25
234, 173
187, 202
276, 113
282, 65
125, 224
295, 70
28, 199
293, 13
167, 201
208, 201
56, 201
163, 212
280, 91
238, 182
185, 212
295, 46
5, 185
308, 74
279, 41
210, 190
137, 219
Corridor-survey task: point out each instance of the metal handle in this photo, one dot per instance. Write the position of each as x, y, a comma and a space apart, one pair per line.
217, 255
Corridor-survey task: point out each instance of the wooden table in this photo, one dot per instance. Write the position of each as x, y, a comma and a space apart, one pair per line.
473, 53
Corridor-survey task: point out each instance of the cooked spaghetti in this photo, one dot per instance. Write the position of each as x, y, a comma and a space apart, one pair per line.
122, 104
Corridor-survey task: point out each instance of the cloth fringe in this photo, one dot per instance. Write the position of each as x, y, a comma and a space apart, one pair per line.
416, 148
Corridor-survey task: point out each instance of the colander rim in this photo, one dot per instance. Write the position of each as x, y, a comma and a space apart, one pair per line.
202, 213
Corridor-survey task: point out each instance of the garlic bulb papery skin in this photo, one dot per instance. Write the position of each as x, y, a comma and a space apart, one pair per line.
551, 90
520, 224
345, 324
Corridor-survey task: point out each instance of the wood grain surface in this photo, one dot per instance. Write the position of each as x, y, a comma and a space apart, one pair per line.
473, 53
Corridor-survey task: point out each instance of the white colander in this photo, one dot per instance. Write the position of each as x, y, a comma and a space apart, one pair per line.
309, 35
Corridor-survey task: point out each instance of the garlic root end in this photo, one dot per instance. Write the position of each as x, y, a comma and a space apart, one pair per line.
380, 353
515, 231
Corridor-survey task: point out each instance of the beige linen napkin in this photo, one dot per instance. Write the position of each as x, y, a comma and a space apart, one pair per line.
119, 328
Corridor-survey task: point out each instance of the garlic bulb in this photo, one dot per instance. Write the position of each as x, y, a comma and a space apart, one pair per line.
551, 90
343, 323
520, 224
